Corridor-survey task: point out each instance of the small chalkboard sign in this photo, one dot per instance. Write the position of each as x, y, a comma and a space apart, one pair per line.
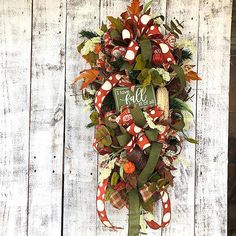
143, 96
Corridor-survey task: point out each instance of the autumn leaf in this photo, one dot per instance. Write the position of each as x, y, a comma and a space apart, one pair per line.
116, 23
103, 137
134, 7
91, 58
89, 76
192, 75
169, 177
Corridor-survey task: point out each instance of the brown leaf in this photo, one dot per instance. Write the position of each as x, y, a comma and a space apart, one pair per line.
192, 75
134, 7
89, 76
169, 177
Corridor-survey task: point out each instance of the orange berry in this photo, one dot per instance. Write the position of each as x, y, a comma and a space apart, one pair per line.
129, 167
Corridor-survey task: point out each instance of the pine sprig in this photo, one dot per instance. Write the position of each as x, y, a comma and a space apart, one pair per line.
186, 54
87, 34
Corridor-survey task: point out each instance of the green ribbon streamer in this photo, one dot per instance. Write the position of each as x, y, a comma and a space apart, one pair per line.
151, 164
138, 116
154, 153
134, 213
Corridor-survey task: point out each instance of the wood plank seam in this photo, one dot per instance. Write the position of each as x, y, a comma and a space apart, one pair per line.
30, 99
196, 119
64, 128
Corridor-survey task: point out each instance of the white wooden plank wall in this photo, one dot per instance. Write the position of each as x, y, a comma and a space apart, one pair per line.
15, 41
48, 169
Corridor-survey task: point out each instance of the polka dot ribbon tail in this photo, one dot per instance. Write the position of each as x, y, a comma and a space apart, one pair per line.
100, 200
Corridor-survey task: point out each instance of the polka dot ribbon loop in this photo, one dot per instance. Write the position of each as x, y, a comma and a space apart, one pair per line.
138, 138
155, 113
100, 200
166, 216
105, 89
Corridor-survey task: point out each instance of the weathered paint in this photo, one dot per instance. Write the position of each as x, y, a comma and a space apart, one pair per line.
48, 168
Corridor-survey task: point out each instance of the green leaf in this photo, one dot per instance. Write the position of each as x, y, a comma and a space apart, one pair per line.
80, 46
109, 191
180, 105
191, 140
162, 17
116, 23
147, 81
156, 77
180, 75
141, 77
167, 27
173, 25
87, 34
104, 27
180, 24
147, 6
110, 124
122, 171
140, 64
146, 49
114, 34
107, 141
91, 58
94, 117
115, 178
103, 137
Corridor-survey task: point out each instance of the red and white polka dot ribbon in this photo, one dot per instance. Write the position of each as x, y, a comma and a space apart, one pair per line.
100, 200
146, 27
138, 138
166, 216
105, 89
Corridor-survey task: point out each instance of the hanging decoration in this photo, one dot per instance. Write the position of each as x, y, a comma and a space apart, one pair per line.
137, 91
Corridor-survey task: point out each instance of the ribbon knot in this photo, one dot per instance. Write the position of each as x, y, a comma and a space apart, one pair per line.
138, 138
143, 26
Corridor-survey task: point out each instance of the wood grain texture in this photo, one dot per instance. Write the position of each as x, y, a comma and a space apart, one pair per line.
80, 183
52, 173
182, 194
14, 114
212, 118
47, 117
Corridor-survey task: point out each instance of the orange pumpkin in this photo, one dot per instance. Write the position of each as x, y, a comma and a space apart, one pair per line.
129, 167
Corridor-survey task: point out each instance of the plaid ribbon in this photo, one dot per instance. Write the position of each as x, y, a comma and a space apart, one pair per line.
148, 190
118, 199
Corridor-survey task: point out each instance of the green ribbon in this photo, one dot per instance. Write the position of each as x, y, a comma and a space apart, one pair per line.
151, 164
154, 153
134, 212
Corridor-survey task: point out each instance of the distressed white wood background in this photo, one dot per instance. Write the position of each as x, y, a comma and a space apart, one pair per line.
48, 169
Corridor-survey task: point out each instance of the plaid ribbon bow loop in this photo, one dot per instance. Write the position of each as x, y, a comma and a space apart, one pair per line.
148, 190
118, 199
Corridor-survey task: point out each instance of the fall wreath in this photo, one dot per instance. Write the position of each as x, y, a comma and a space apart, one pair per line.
137, 91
